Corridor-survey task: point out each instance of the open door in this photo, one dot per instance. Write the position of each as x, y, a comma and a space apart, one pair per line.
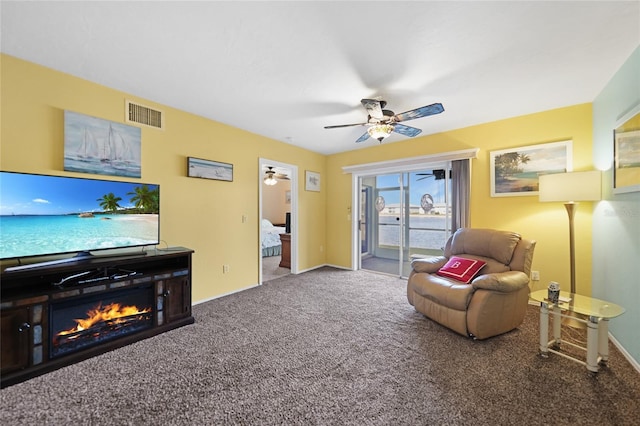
278, 212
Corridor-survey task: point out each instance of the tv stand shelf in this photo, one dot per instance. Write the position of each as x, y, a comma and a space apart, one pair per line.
29, 296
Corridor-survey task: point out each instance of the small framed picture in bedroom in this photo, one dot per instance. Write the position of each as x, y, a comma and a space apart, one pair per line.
312, 181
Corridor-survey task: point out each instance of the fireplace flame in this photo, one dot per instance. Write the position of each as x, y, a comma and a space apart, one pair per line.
112, 312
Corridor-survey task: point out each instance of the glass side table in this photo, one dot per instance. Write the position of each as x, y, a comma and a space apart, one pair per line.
595, 313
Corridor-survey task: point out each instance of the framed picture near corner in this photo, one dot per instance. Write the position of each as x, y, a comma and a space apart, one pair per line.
515, 171
312, 181
626, 153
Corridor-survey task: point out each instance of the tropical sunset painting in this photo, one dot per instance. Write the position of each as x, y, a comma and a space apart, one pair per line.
515, 171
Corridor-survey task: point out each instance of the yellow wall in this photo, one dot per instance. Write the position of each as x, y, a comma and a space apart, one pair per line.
200, 214
547, 223
206, 215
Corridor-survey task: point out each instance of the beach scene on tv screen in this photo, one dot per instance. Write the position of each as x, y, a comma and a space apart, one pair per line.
42, 215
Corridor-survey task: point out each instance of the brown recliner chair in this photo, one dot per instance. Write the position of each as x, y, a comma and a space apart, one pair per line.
494, 302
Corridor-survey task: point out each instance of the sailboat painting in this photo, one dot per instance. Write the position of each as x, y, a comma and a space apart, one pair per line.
94, 145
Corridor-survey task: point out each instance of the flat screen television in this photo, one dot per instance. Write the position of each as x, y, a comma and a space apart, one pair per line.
44, 215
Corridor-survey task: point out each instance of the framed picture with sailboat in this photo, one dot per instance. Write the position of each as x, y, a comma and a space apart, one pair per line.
95, 145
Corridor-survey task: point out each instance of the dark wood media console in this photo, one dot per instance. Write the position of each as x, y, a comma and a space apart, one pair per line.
34, 302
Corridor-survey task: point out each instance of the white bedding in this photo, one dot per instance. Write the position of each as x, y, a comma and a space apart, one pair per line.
271, 237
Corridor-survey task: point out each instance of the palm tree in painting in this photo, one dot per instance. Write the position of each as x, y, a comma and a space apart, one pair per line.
509, 164
145, 199
109, 202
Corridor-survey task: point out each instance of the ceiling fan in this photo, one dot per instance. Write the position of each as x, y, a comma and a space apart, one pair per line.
438, 174
271, 176
382, 121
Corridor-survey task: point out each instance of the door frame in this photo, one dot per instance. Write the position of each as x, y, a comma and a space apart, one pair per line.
294, 212
386, 167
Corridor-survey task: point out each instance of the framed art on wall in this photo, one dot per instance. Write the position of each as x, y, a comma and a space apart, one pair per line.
95, 145
207, 169
312, 181
626, 153
515, 171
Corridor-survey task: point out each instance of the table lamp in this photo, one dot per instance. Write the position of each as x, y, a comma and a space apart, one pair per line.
570, 188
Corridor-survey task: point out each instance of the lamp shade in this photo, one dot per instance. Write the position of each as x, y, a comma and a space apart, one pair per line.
270, 180
380, 131
573, 186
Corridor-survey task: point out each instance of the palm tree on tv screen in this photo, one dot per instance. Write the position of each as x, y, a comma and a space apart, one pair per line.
109, 202
145, 199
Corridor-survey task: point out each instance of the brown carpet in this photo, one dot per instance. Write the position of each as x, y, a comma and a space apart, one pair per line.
327, 347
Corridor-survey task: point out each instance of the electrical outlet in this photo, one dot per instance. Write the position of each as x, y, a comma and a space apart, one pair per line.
225, 269
535, 275
321, 248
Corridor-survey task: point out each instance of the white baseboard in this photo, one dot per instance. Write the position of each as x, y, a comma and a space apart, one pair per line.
624, 352
223, 295
257, 285
323, 265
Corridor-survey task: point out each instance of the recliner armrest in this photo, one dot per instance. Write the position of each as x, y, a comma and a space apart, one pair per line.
430, 265
505, 282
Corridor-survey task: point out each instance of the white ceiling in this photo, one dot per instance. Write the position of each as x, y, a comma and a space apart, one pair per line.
285, 70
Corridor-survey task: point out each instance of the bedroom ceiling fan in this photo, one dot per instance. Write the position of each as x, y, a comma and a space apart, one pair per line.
271, 176
382, 122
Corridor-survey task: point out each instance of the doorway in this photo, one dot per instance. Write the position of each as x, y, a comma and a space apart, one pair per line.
278, 213
403, 215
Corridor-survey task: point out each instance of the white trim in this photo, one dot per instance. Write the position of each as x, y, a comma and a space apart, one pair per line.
624, 352
409, 164
294, 212
322, 266
225, 294
355, 218
337, 266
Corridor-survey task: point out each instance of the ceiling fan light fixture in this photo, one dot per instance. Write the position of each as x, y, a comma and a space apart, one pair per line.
380, 131
270, 180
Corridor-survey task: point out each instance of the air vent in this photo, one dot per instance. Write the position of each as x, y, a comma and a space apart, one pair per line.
141, 114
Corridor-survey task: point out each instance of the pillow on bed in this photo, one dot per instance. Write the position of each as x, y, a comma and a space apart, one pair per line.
266, 224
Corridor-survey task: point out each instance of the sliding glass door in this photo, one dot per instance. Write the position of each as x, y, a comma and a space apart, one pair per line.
403, 215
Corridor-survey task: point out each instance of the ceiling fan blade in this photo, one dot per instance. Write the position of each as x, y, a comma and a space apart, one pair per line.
406, 130
363, 138
424, 111
424, 175
345, 125
373, 107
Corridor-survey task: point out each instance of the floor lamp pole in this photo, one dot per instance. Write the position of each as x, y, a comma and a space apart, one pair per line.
571, 211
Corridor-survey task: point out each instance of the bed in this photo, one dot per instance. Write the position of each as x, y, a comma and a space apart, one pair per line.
271, 245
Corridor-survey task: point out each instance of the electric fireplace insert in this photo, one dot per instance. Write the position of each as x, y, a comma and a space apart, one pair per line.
81, 323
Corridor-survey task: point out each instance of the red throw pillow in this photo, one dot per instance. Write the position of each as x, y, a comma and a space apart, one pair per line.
461, 269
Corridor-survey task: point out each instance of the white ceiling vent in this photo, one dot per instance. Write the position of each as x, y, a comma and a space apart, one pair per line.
140, 114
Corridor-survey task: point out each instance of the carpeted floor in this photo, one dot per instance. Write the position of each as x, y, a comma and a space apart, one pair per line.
327, 347
271, 268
